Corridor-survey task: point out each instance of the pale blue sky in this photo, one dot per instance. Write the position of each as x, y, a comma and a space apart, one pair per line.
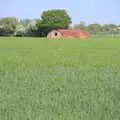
90, 11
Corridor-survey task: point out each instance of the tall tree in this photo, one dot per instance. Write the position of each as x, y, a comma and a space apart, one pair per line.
58, 17
25, 22
81, 26
20, 30
9, 25
51, 20
31, 29
94, 28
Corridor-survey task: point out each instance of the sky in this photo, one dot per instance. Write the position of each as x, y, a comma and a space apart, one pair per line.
89, 11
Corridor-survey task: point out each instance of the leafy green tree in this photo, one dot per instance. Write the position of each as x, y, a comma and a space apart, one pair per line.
105, 28
31, 29
20, 30
1, 29
81, 26
8, 25
94, 28
52, 20
57, 17
112, 27
25, 22
32, 25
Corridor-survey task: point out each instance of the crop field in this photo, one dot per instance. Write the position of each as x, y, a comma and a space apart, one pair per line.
67, 79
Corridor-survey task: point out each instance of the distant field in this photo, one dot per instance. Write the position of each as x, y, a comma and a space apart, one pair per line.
67, 79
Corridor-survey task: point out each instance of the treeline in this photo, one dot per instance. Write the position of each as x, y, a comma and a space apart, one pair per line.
97, 28
50, 20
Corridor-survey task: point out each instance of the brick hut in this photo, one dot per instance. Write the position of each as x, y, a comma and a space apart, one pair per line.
64, 33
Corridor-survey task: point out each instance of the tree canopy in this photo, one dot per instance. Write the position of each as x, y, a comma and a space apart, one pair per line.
8, 25
56, 17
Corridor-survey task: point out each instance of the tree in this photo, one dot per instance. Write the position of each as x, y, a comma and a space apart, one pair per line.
94, 28
52, 20
20, 30
105, 28
32, 25
25, 22
81, 26
1, 29
112, 27
31, 29
8, 25
56, 17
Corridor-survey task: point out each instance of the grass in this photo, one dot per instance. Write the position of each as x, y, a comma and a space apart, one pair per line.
45, 79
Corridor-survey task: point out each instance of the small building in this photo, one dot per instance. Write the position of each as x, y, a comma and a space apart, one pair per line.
64, 33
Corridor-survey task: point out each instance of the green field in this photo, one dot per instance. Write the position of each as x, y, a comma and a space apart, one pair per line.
45, 79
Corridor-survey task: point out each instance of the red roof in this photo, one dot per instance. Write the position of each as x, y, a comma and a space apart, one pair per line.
74, 33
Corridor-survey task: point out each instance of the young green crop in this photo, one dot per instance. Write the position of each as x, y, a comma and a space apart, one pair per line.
67, 79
